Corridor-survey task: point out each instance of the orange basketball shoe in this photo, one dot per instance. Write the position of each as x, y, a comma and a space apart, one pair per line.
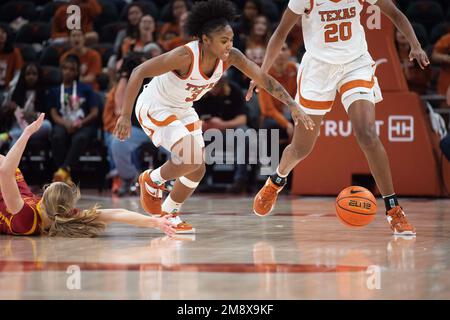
151, 194
397, 220
179, 225
266, 198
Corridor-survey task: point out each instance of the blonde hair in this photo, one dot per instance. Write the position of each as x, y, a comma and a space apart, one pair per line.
58, 202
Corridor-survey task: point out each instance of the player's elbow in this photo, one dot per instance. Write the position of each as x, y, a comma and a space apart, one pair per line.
137, 73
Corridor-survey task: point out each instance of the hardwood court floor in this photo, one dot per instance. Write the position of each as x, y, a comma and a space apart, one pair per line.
300, 252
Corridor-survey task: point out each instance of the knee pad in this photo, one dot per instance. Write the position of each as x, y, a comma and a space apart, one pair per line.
189, 183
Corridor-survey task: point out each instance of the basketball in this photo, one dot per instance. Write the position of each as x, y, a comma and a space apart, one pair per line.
356, 206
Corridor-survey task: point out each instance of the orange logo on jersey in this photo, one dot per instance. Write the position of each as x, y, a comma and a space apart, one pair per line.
197, 90
340, 14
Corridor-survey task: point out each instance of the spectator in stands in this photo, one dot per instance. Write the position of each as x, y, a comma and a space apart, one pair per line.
224, 108
152, 50
134, 15
252, 9
403, 48
112, 112
181, 39
7, 120
441, 55
295, 40
448, 97
89, 10
146, 35
418, 79
74, 111
256, 43
171, 29
29, 100
275, 114
124, 153
10, 61
91, 61
255, 46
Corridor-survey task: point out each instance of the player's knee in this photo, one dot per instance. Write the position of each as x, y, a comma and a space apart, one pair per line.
197, 175
367, 136
185, 147
200, 171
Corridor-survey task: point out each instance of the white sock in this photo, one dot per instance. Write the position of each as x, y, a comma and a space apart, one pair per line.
170, 206
281, 175
155, 175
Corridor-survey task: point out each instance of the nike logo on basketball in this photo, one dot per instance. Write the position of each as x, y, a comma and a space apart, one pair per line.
355, 191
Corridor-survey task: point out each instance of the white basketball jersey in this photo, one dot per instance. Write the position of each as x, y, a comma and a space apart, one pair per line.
332, 29
172, 90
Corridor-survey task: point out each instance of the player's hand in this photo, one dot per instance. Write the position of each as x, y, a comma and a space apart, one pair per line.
123, 128
251, 87
420, 56
165, 225
35, 125
298, 115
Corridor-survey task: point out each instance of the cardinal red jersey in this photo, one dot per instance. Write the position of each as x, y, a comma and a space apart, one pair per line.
28, 220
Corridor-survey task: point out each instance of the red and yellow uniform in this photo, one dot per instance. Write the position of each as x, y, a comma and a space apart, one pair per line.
28, 220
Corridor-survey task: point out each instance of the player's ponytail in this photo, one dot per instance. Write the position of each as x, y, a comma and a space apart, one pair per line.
58, 202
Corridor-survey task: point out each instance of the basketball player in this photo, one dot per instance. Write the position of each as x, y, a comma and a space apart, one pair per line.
164, 108
23, 213
336, 58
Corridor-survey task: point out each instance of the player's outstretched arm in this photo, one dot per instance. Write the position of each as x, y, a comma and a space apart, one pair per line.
402, 24
275, 44
136, 219
9, 164
178, 60
272, 86
278, 38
